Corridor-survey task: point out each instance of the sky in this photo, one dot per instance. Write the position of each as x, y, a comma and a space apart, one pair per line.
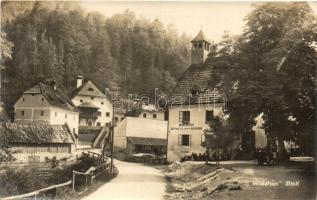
189, 17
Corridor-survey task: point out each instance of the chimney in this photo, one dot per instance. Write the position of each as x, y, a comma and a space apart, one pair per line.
106, 91
79, 81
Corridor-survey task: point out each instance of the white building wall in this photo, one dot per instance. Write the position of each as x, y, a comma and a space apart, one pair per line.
103, 104
150, 115
195, 129
120, 139
61, 116
138, 127
146, 128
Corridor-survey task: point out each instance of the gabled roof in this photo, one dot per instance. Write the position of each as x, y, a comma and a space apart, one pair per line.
195, 82
88, 88
195, 77
55, 97
200, 37
36, 133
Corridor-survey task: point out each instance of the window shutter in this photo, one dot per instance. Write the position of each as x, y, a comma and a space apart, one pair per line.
188, 117
190, 140
179, 140
180, 116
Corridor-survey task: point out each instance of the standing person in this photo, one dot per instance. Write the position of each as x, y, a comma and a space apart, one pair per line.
274, 155
259, 157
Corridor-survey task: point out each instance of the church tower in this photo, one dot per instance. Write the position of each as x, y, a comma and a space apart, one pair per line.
200, 48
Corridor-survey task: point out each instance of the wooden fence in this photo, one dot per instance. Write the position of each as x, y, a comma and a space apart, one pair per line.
90, 174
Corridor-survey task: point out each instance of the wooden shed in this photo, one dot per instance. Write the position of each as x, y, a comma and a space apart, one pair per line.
37, 138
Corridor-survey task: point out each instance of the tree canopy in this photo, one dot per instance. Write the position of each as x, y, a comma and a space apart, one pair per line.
271, 69
125, 53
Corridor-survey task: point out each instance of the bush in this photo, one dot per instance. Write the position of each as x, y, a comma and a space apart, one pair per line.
17, 181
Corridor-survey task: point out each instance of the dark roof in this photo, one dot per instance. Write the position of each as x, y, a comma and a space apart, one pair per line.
193, 86
55, 97
147, 141
87, 105
195, 77
88, 88
200, 37
35, 133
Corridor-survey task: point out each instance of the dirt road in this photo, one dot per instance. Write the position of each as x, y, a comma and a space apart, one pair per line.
134, 181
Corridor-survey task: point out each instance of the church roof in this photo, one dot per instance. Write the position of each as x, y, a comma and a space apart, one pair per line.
200, 37
55, 97
195, 82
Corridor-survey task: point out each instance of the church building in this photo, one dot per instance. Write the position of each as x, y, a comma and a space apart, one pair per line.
193, 105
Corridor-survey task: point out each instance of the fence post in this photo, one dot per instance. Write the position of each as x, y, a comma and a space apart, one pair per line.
73, 181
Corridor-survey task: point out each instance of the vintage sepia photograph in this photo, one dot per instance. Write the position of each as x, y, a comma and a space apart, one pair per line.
158, 100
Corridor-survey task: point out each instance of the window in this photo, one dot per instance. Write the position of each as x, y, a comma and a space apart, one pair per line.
200, 45
92, 98
102, 103
89, 123
203, 138
184, 140
55, 114
108, 124
144, 115
116, 119
154, 116
22, 112
184, 117
91, 89
74, 130
65, 116
98, 124
81, 101
107, 114
23, 99
209, 116
99, 114
42, 99
42, 113
122, 118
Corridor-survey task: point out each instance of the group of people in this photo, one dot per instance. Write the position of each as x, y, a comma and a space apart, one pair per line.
268, 156
216, 156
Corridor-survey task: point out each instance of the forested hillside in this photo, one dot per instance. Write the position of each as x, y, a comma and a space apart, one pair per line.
59, 40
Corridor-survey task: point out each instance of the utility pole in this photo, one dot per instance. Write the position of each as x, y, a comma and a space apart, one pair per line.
112, 132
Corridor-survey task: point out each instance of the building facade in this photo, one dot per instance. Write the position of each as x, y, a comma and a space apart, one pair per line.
40, 140
187, 126
193, 105
150, 112
95, 107
139, 135
44, 103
